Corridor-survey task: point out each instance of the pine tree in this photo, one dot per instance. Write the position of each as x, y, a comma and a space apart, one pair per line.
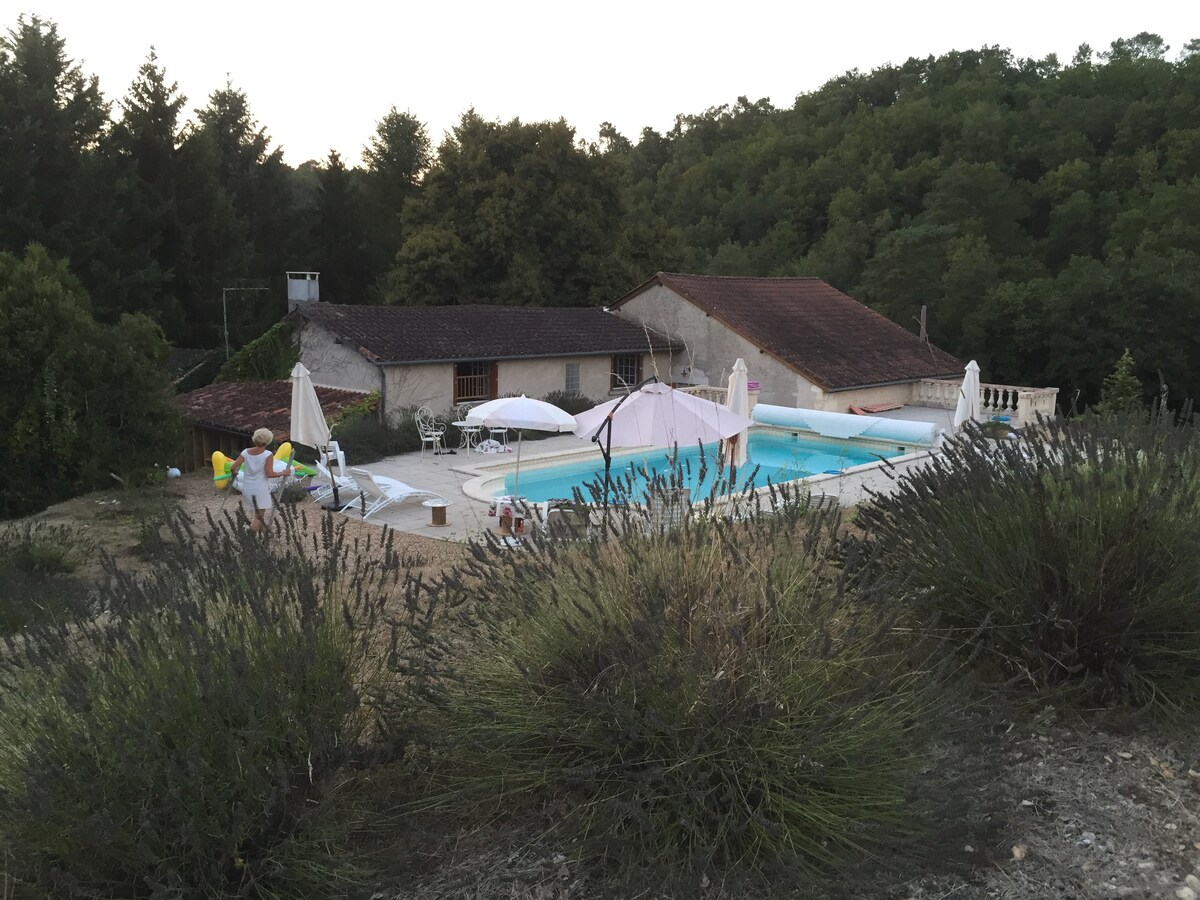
1121, 392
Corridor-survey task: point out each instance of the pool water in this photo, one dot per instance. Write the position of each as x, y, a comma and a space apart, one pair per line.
773, 456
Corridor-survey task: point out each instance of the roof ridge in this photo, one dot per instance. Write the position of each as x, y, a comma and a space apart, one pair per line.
771, 278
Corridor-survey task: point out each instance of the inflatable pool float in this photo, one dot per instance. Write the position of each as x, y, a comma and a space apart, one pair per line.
281, 464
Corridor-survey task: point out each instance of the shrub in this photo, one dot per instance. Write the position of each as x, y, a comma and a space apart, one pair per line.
36, 565
291, 493
365, 439
572, 402
196, 739
997, 431
29, 599
269, 357
36, 548
705, 694
1065, 559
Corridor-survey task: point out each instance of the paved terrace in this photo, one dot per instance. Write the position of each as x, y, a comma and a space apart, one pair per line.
447, 473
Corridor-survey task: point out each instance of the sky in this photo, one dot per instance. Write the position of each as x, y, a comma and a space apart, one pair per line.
320, 76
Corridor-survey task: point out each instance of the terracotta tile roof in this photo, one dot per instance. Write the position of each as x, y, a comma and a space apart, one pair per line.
411, 334
243, 406
827, 336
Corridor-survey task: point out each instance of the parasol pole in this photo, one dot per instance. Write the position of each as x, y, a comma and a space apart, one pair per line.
517, 474
606, 449
733, 452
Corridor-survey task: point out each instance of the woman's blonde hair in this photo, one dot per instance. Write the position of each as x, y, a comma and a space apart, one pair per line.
262, 437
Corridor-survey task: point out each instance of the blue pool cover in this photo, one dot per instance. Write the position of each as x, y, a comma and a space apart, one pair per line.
844, 425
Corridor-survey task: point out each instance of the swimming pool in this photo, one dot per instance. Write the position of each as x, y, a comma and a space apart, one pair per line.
777, 456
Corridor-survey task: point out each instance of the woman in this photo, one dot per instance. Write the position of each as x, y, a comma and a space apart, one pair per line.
259, 464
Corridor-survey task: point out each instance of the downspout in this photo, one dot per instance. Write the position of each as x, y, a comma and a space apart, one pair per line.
382, 394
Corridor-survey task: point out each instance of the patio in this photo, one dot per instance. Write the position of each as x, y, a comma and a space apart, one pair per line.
445, 475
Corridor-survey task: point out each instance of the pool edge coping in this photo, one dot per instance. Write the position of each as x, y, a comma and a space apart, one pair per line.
485, 473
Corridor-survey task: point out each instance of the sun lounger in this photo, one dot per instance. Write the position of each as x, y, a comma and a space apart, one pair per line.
379, 492
347, 487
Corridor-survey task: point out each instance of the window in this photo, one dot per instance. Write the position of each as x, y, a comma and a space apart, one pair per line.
571, 386
474, 381
626, 371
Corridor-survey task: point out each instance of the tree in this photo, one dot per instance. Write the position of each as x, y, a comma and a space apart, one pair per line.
906, 273
397, 158
970, 273
399, 153
430, 269
532, 218
612, 141
51, 116
86, 399
1143, 46
339, 234
141, 240
1122, 391
260, 238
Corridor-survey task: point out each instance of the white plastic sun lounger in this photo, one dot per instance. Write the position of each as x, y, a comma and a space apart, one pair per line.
380, 492
346, 485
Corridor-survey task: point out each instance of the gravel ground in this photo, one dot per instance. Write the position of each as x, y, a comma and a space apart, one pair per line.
1051, 811
115, 520
1083, 809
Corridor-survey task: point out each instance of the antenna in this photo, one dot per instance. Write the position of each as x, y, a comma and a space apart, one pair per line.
925, 331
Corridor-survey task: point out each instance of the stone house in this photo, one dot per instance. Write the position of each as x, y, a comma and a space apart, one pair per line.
808, 344
443, 356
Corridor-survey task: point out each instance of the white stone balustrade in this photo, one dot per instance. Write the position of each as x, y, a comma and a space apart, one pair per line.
935, 393
706, 392
1022, 405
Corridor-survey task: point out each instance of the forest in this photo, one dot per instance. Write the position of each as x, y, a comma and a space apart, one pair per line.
1047, 215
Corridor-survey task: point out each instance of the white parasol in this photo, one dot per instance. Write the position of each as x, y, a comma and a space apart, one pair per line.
521, 412
737, 398
308, 421
656, 415
968, 409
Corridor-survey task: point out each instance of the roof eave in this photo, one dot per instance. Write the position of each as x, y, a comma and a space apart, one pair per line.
215, 426
669, 346
876, 384
666, 348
